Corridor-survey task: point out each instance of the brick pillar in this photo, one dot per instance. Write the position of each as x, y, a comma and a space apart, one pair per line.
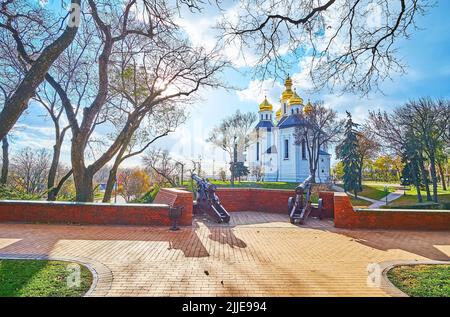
328, 204
344, 215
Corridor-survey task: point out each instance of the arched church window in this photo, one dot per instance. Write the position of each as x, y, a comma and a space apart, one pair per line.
286, 149
257, 151
303, 149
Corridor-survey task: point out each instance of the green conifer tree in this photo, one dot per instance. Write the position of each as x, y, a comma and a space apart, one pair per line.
347, 152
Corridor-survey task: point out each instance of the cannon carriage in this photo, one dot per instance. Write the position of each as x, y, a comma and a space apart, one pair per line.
208, 202
300, 206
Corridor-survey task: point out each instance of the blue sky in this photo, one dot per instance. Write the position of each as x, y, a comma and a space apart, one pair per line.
427, 54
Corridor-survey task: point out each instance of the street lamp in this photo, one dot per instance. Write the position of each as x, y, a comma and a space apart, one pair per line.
233, 166
182, 170
386, 192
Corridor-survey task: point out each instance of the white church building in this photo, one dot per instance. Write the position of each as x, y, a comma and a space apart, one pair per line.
273, 149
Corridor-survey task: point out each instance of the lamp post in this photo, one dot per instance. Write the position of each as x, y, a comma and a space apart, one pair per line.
233, 166
182, 171
386, 192
115, 192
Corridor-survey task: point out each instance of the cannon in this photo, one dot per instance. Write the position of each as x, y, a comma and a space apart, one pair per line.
300, 206
208, 201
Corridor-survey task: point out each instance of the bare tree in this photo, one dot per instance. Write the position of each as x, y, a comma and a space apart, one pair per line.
233, 136
133, 183
162, 164
428, 120
368, 147
29, 170
321, 128
11, 73
71, 79
163, 120
257, 172
422, 123
16, 17
397, 138
130, 37
348, 44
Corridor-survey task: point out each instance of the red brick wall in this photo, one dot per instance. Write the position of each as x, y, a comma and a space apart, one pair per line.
265, 200
346, 217
254, 199
100, 214
328, 204
177, 197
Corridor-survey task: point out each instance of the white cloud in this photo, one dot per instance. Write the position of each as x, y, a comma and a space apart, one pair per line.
202, 33
47, 131
257, 89
358, 106
302, 79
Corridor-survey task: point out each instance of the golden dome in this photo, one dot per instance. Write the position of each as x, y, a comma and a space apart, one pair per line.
287, 93
278, 114
265, 105
308, 108
295, 100
288, 82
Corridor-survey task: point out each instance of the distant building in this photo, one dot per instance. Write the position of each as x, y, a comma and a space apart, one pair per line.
273, 150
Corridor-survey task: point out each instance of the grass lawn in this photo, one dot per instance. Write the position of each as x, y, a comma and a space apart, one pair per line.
422, 280
247, 184
411, 197
359, 203
375, 191
39, 278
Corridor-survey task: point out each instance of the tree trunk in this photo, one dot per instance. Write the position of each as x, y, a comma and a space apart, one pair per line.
232, 176
360, 173
419, 194
84, 188
82, 175
51, 195
441, 173
434, 178
416, 180
425, 179
5, 162
112, 178
18, 102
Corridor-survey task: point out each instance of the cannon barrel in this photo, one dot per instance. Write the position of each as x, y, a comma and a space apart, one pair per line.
306, 182
197, 178
203, 182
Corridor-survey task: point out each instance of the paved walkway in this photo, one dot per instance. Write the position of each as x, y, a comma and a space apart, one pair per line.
375, 203
390, 198
256, 255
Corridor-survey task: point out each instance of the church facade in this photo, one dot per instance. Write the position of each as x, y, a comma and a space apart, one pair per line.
274, 152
